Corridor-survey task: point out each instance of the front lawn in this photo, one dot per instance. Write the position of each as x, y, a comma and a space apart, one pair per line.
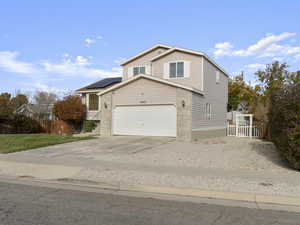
20, 142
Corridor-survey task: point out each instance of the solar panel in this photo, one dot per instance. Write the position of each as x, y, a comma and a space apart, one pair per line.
105, 82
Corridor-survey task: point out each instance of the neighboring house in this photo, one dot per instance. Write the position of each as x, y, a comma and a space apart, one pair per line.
241, 109
165, 91
38, 112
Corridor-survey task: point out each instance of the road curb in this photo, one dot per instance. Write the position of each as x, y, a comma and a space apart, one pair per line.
258, 199
248, 197
56, 171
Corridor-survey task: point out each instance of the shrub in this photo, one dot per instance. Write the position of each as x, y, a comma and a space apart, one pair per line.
285, 123
70, 110
89, 125
5, 106
21, 124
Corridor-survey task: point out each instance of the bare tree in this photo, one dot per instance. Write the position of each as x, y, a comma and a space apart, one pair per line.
44, 102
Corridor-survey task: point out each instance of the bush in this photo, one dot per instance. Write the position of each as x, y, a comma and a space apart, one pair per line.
70, 110
285, 123
21, 124
89, 125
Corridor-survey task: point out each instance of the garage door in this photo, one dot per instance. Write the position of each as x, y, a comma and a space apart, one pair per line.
158, 120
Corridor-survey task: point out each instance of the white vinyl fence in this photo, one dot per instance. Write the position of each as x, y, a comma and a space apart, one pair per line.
243, 131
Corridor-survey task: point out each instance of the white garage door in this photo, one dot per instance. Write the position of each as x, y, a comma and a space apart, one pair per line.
158, 120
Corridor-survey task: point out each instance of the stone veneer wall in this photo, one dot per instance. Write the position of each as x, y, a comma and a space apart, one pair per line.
184, 115
106, 115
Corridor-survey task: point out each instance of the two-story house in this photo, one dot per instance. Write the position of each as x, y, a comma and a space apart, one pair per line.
165, 91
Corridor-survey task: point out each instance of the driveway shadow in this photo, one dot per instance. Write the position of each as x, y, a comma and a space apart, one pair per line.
269, 151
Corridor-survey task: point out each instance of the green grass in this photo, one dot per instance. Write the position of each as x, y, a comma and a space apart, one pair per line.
20, 142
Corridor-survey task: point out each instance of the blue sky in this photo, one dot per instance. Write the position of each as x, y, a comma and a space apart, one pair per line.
63, 45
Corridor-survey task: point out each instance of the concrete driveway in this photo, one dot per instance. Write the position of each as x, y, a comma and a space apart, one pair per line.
219, 153
224, 164
89, 150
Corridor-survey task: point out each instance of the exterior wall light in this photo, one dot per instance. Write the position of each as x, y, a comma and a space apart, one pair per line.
183, 103
105, 105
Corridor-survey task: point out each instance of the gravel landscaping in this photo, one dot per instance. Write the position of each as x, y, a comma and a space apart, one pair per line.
224, 153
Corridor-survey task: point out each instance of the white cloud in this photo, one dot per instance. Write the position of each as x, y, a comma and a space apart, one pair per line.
264, 44
224, 48
278, 58
89, 41
119, 60
79, 66
10, 63
297, 57
43, 87
66, 55
265, 47
40, 74
255, 66
292, 50
67, 67
81, 60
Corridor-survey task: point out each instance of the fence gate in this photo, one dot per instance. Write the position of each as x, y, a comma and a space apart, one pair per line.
243, 127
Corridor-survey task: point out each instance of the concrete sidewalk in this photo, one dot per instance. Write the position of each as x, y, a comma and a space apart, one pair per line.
35, 174
176, 180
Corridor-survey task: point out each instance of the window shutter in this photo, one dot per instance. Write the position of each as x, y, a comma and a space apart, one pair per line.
99, 107
130, 72
148, 68
217, 77
187, 65
166, 70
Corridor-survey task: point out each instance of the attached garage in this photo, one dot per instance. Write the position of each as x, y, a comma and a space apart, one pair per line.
145, 120
147, 106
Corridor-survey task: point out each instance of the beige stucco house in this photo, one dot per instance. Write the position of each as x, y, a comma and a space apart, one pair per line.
165, 91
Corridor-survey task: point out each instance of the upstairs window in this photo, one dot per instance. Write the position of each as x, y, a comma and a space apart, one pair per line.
139, 70
176, 69
93, 102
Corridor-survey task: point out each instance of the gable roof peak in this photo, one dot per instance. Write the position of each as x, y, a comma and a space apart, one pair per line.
145, 52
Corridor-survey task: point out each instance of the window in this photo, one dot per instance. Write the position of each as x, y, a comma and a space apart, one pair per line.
176, 69
93, 102
217, 77
208, 111
139, 70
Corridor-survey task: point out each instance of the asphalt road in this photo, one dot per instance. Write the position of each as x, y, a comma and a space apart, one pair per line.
32, 205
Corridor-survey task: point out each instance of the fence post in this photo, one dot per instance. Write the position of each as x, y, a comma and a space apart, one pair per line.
236, 125
227, 130
251, 123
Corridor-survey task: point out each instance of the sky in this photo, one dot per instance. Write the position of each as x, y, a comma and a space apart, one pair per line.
61, 46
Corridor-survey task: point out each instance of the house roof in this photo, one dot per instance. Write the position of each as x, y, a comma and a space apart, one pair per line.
144, 52
153, 79
190, 52
105, 82
170, 50
34, 108
100, 84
